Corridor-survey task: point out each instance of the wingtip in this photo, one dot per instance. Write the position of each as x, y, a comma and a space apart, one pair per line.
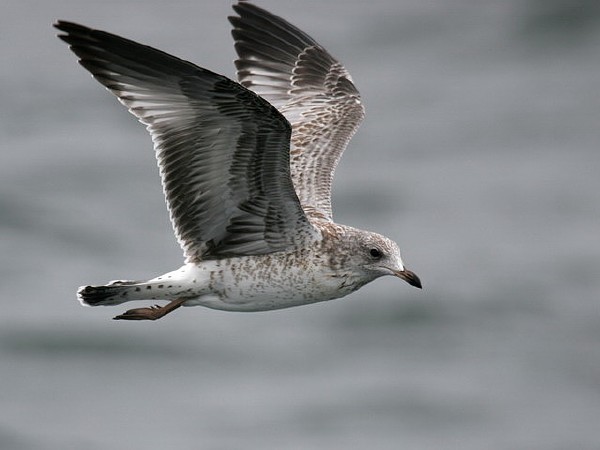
242, 5
59, 25
64, 25
236, 7
68, 29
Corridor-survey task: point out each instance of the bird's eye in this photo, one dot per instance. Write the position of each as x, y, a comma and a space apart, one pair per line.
375, 253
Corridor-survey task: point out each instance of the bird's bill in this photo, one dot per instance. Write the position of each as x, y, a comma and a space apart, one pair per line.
410, 277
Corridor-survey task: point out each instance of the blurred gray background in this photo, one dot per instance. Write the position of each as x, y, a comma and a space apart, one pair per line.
479, 155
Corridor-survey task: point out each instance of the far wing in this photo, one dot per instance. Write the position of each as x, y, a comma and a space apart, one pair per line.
311, 89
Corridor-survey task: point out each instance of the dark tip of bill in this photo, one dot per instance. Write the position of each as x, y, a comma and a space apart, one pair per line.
412, 279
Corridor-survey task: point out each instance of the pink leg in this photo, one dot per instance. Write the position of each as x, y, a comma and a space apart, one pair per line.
152, 313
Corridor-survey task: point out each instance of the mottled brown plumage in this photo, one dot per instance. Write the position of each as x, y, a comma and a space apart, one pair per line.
246, 169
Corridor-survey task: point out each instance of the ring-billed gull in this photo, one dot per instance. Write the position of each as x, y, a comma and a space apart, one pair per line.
246, 169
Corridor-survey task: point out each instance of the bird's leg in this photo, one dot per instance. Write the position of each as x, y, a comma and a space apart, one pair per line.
151, 313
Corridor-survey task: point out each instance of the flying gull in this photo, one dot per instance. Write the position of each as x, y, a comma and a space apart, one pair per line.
246, 169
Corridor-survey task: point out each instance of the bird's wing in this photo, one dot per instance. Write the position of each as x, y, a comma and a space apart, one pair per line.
309, 87
223, 152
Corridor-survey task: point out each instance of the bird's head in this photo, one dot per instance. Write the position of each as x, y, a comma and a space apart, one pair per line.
376, 255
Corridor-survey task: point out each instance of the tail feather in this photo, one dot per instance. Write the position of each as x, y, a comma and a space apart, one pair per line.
111, 294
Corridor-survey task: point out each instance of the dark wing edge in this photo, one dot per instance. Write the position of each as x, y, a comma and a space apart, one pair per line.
312, 90
223, 152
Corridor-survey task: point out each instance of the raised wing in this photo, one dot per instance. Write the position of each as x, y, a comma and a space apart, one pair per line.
223, 152
309, 87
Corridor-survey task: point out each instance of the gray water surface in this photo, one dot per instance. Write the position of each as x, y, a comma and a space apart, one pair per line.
479, 155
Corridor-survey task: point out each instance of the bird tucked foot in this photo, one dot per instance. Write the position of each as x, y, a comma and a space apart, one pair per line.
151, 313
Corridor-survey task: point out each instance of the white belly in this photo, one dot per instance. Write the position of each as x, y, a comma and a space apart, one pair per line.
273, 281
